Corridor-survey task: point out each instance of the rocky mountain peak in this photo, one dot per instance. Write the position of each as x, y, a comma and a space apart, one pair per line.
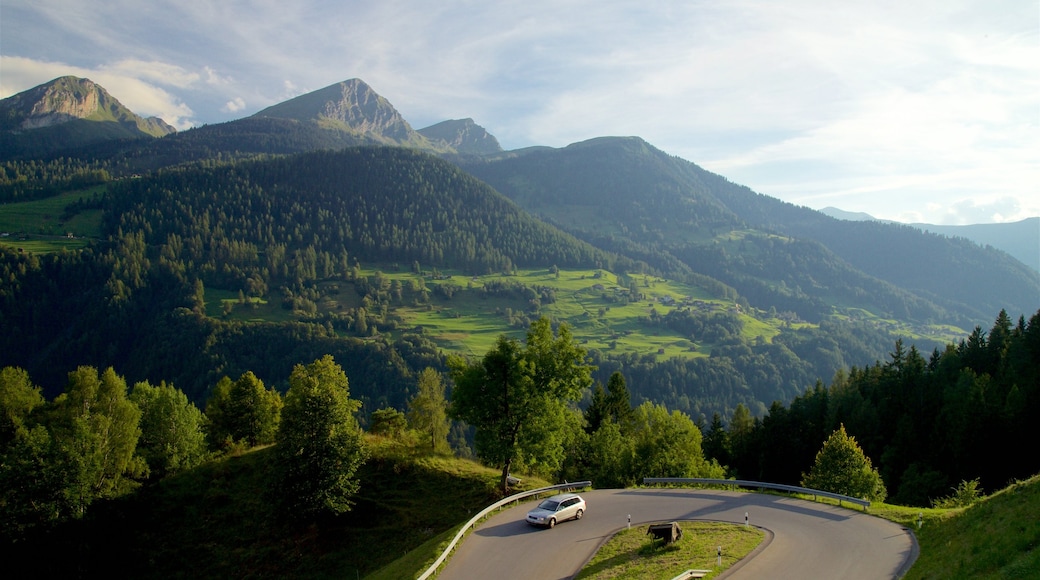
349, 105
464, 136
69, 98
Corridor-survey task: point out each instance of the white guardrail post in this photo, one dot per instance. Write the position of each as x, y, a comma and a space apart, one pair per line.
476, 519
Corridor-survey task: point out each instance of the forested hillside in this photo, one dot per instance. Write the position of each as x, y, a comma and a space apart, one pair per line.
301, 218
927, 420
759, 299
293, 233
623, 194
967, 280
269, 229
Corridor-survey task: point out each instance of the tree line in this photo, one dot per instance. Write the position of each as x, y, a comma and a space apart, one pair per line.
929, 424
925, 424
100, 439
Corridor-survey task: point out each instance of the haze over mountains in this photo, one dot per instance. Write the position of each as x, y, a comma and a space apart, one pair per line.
229, 208
1021, 239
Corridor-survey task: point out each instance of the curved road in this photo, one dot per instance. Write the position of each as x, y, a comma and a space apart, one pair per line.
806, 539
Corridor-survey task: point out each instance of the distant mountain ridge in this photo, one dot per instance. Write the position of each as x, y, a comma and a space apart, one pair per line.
624, 196
70, 112
354, 107
1020, 239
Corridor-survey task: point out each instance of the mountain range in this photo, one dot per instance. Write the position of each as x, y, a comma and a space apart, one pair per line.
281, 204
1020, 239
78, 112
620, 193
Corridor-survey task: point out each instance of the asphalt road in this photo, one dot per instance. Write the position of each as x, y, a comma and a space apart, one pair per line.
803, 539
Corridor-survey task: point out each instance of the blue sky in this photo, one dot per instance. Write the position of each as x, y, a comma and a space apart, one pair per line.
913, 111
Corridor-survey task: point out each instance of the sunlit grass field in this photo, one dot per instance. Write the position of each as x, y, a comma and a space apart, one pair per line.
470, 321
37, 226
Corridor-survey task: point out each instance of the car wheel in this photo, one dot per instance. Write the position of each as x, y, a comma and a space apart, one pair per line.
578, 515
552, 523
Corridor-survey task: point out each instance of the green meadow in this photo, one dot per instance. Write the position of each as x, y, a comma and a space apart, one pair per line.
40, 226
591, 302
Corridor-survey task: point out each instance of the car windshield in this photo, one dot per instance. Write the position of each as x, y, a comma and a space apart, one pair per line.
549, 504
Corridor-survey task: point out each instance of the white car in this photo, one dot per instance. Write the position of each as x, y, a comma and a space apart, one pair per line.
558, 508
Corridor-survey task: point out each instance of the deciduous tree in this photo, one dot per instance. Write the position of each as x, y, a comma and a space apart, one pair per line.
510, 394
243, 411
171, 429
97, 428
18, 398
842, 467
667, 444
319, 444
427, 411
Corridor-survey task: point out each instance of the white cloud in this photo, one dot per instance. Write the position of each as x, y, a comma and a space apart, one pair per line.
880, 106
215, 78
154, 72
235, 105
138, 95
290, 90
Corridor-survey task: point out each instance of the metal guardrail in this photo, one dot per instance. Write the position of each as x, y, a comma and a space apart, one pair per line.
476, 519
761, 485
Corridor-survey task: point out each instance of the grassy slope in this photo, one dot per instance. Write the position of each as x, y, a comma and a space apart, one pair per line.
37, 226
216, 521
470, 324
998, 537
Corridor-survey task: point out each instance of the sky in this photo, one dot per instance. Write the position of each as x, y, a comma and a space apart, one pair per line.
923, 111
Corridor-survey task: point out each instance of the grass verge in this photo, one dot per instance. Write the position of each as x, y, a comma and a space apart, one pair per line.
631, 553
